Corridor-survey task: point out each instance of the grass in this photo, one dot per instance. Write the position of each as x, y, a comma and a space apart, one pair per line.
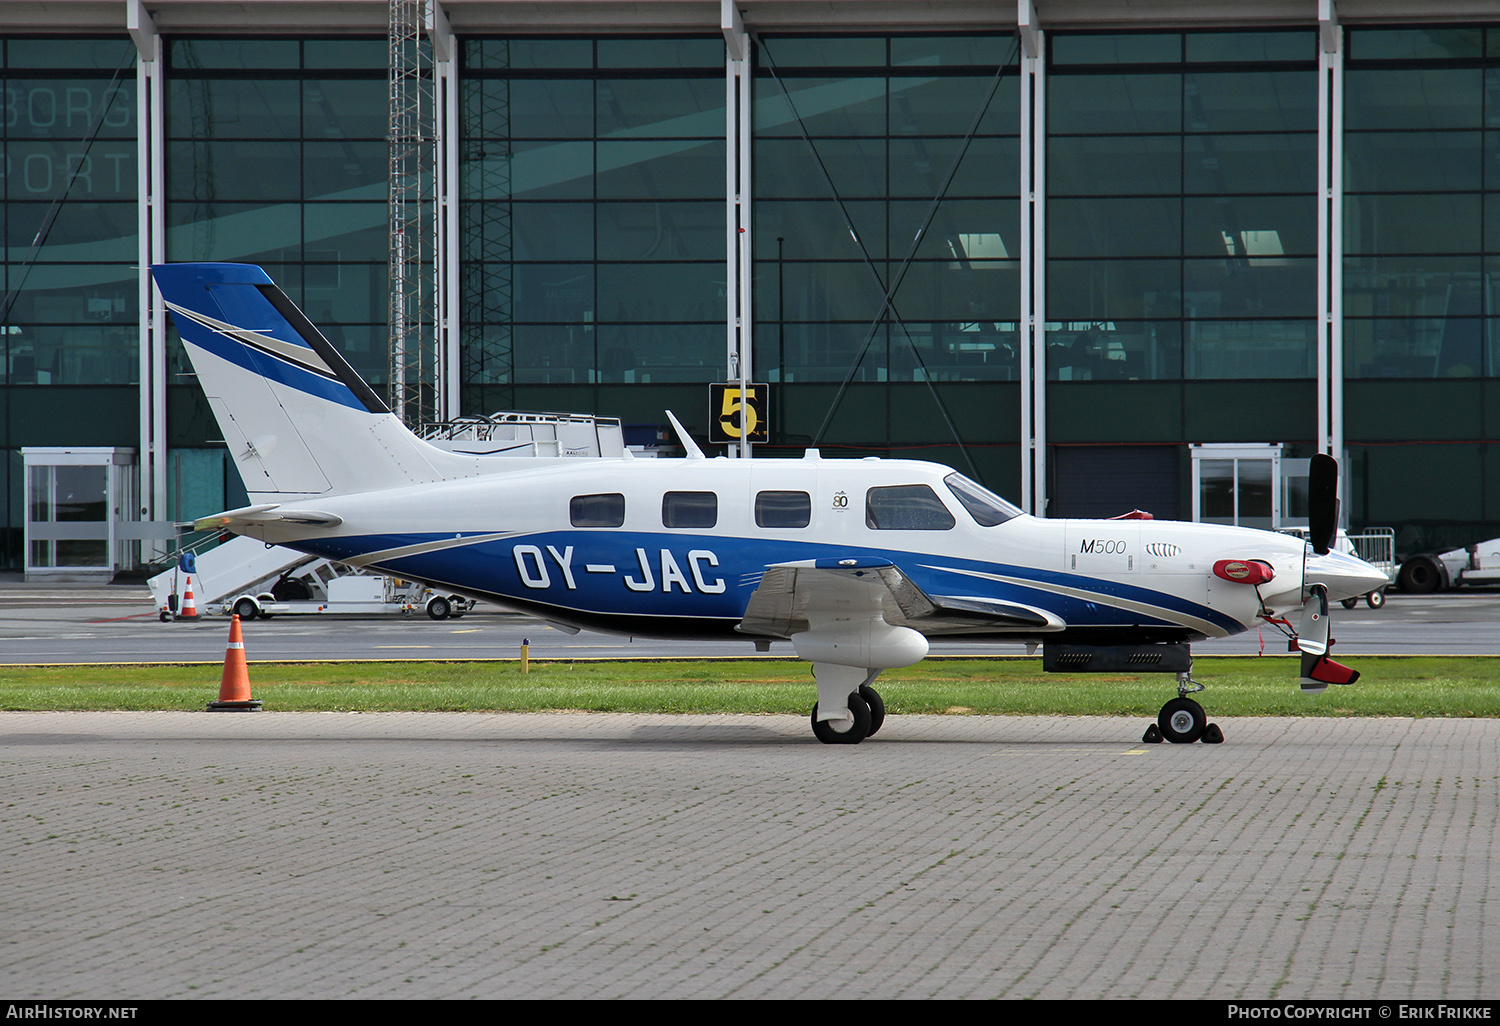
1416, 686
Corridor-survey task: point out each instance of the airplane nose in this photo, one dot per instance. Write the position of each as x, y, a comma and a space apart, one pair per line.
1344, 576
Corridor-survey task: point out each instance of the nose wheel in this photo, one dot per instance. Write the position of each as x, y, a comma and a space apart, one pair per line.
1182, 720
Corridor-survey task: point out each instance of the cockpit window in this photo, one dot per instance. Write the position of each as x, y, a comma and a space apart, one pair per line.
987, 508
906, 508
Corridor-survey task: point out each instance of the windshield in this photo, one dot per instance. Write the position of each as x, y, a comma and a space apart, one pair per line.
987, 508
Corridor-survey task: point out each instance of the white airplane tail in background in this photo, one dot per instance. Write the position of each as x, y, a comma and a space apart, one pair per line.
297, 418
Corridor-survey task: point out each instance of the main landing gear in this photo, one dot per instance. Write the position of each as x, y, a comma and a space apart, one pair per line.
1182, 720
866, 707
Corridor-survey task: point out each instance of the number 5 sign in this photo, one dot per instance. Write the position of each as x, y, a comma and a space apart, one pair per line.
734, 415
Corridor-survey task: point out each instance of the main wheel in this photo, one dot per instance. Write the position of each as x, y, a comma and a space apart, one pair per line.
1182, 721
877, 707
246, 609
1376, 598
1349, 603
439, 608
826, 732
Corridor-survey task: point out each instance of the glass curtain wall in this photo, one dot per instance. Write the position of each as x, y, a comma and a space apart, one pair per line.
854, 141
69, 341
592, 226
1181, 218
1421, 243
276, 155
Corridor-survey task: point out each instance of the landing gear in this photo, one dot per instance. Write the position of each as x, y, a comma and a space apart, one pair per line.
1182, 720
848, 731
841, 685
877, 707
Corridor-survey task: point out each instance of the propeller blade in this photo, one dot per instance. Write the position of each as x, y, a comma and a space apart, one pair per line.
1319, 671
1322, 502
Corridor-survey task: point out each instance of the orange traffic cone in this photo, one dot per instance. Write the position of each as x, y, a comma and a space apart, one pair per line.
234, 689
189, 607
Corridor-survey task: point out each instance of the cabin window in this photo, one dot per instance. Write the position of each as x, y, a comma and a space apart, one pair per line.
783, 509
689, 509
906, 508
987, 508
606, 510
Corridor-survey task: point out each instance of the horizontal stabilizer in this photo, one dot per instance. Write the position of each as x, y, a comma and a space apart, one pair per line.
266, 513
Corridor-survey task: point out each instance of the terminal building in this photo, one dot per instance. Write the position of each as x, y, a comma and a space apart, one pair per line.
1099, 254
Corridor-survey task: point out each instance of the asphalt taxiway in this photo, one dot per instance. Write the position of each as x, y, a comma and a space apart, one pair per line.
110, 624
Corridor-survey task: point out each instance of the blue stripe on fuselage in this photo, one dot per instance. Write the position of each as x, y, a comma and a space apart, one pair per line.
681, 575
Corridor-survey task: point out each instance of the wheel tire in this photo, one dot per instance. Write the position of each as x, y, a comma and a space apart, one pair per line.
877, 707
246, 609
1182, 721
1421, 575
1349, 603
164, 616
439, 608
856, 733
1376, 599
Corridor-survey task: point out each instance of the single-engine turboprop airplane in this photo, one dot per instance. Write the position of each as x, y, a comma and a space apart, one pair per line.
856, 562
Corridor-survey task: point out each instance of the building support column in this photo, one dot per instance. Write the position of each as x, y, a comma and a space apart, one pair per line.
151, 249
445, 213
740, 321
1033, 327
1330, 231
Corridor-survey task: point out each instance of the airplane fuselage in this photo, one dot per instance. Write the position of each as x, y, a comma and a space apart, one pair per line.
676, 547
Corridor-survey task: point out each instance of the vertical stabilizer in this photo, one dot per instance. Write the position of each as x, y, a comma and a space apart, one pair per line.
297, 418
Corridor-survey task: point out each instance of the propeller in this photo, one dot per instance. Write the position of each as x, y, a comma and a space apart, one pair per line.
1322, 502
1319, 671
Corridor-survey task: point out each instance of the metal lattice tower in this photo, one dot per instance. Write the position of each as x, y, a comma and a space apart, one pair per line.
413, 362
488, 270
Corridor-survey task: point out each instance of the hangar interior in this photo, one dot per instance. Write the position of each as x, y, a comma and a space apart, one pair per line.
1100, 255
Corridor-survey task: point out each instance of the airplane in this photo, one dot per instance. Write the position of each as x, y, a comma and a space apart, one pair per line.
858, 562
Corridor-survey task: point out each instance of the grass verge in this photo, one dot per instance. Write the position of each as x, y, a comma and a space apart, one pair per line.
1266, 686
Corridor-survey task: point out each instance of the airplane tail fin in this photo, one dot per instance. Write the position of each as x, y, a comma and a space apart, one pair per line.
298, 420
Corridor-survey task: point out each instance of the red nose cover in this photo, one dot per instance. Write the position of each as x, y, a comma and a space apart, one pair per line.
1244, 571
1325, 671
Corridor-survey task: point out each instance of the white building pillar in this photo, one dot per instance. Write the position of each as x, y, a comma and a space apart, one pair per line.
1033, 327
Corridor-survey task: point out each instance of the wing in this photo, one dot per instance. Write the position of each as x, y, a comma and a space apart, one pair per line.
793, 598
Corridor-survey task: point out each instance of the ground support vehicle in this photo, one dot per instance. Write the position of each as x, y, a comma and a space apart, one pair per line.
1474, 565
326, 587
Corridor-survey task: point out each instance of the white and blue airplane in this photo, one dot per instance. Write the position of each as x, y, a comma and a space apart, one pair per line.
858, 562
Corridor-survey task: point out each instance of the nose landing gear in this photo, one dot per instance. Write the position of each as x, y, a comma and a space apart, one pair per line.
1182, 720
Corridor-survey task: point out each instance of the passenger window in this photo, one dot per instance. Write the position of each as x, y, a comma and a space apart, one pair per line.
689, 509
906, 508
783, 509
607, 510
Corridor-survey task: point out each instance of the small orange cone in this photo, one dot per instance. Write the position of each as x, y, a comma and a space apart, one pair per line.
234, 689
189, 607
